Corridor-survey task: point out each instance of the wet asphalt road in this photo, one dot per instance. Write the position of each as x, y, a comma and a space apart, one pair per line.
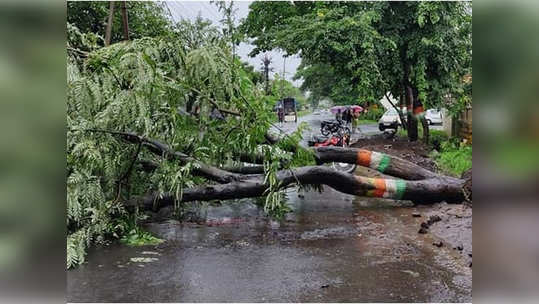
314, 122
332, 247
365, 130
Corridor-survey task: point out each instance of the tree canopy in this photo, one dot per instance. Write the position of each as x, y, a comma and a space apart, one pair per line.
146, 18
365, 49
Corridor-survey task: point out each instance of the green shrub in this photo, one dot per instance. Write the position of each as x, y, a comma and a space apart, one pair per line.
373, 114
436, 138
455, 158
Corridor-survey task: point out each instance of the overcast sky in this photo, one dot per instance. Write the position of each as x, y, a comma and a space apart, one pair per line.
191, 9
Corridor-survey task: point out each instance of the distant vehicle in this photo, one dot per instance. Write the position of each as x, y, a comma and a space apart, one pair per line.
433, 116
290, 108
316, 113
390, 120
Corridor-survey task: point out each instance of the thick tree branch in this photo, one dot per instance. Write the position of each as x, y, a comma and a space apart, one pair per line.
255, 169
384, 163
223, 110
161, 149
423, 191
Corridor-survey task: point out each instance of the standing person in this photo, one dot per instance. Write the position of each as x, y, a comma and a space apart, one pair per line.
348, 116
355, 121
280, 113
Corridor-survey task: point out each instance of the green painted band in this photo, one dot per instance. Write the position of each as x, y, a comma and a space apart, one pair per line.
401, 188
384, 163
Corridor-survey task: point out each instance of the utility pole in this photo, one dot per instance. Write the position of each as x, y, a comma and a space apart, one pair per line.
125, 21
266, 61
108, 32
283, 80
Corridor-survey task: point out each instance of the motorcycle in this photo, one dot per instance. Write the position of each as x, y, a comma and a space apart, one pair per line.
329, 127
340, 137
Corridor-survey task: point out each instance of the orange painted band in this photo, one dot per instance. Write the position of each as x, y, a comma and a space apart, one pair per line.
364, 158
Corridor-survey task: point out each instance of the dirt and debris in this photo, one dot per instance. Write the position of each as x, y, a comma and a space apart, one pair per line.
416, 152
454, 228
449, 224
438, 244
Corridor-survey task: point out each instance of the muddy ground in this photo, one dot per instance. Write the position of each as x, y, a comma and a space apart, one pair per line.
332, 247
455, 227
416, 152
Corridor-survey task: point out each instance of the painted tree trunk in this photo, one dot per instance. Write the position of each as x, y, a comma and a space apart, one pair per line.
421, 191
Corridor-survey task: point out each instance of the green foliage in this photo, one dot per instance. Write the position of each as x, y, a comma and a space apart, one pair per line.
437, 138
373, 114
146, 18
162, 89
195, 34
282, 88
85, 42
367, 122
139, 237
454, 158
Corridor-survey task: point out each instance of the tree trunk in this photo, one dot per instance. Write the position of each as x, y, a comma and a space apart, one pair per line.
402, 102
412, 120
108, 31
381, 162
419, 111
422, 191
125, 21
426, 132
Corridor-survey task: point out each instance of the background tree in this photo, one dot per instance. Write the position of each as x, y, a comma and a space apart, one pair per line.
418, 50
146, 18
266, 67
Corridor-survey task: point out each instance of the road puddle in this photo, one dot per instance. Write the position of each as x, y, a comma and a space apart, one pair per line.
332, 248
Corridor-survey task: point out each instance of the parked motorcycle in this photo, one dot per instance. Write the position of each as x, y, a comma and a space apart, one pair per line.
332, 126
340, 137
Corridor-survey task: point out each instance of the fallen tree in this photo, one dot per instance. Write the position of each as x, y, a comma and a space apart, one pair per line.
409, 182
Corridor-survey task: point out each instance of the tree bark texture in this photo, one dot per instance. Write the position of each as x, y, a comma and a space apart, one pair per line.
125, 21
108, 31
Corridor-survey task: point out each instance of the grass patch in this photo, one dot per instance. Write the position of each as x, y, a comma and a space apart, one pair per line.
451, 156
454, 158
404, 133
367, 122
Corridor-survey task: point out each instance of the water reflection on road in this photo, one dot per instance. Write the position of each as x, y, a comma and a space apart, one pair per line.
333, 247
